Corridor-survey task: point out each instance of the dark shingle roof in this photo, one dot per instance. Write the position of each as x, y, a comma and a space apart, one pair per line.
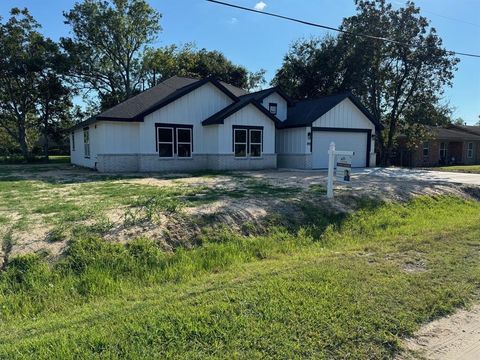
135, 108
469, 128
441, 133
262, 94
305, 112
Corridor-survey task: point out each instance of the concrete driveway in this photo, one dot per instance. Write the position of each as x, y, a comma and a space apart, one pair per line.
420, 175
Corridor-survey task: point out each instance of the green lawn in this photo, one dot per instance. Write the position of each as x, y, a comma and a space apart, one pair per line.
52, 159
473, 169
352, 292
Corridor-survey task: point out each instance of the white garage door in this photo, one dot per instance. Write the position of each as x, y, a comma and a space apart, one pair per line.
345, 141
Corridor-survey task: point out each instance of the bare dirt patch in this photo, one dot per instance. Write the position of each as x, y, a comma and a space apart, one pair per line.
453, 337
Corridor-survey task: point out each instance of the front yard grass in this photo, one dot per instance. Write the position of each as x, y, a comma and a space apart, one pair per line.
352, 291
472, 169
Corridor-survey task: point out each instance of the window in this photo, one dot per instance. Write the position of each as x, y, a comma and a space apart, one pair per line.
184, 142
272, 107
255, 143
470, 150
443, 150
247, 141
174, 140
73, 141
86, 142
426, 148
240, 142
165, 141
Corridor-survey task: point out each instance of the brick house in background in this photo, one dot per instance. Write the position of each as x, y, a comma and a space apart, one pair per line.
452, 145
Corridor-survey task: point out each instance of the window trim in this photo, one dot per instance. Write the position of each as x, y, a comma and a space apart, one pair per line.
174, 128
252, 143
240, 143
270, 105
470, 151
172, 143
248, 128
86, 145
426, 146
177, 142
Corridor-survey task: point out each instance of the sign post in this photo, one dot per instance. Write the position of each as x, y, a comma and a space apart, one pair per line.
344, 167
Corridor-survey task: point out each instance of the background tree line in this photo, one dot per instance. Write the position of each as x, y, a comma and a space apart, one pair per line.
109, 58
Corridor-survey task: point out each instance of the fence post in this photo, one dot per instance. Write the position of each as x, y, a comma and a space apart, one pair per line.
331, 163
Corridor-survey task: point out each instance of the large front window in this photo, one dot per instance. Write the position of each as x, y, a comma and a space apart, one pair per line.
247, 141
174, 140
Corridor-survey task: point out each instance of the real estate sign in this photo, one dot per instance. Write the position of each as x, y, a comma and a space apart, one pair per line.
344, 167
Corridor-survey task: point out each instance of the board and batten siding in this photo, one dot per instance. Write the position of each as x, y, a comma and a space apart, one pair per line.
293, 141
77, 156
190, 109
115, 137
247, 116
281, 105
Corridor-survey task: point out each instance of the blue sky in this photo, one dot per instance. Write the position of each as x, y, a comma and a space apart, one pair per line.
257, 41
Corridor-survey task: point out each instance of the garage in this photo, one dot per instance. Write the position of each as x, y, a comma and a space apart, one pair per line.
356, 141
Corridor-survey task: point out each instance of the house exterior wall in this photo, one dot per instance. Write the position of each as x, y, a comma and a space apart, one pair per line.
77, 156
281, 105
434, 159
293, 145
248, 116
190, 109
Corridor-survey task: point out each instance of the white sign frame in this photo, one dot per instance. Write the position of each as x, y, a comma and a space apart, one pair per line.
331, 163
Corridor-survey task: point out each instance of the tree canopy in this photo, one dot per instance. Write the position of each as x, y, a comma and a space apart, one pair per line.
162, 63
107, 45
400, 82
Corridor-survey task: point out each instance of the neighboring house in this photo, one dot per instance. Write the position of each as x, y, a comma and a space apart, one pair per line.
450, 145
189, 124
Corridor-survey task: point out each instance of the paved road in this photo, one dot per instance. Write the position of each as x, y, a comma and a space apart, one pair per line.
421, 175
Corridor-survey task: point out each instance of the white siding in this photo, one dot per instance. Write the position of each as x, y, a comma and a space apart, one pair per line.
78, 156
115, 137
190, 109
293, 141
281, 105
345, 115
248, 116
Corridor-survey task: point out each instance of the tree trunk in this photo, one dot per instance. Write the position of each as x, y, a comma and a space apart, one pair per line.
22, 140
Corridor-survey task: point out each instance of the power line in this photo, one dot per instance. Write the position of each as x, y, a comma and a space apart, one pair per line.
329, 27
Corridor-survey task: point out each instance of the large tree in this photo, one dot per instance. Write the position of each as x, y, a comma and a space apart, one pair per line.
162, 63
398, 81
107, 44
28, 61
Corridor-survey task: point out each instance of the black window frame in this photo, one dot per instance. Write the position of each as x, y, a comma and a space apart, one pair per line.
273, 105
248, 144
73, 140
174, 128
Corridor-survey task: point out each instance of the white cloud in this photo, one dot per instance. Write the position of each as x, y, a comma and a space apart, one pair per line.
260, 6
233, 21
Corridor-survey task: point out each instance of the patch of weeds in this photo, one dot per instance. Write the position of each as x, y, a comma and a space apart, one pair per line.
317, 189
7, 246
56, 234
257, 187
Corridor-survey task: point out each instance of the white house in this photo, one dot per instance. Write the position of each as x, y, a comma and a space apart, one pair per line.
189, 124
